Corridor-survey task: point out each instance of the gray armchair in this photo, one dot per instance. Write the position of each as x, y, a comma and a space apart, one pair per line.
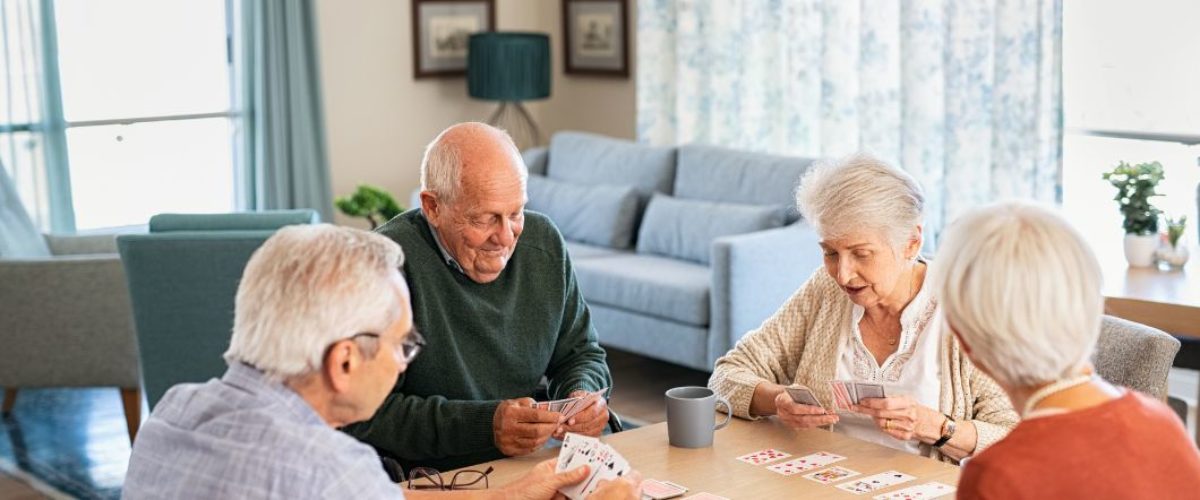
1135, 355
67, 322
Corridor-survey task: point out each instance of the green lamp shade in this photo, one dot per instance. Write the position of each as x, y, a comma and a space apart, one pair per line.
508, 66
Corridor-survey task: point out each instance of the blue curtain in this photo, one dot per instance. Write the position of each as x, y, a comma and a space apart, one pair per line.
965, 95
283, 151
18, 236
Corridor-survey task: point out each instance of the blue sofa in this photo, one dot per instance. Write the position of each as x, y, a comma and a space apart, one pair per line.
679, 251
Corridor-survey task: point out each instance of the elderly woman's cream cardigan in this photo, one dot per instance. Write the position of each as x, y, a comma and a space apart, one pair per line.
799, 345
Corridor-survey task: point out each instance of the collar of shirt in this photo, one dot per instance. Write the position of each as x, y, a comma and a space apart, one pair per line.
250, 379
442, 248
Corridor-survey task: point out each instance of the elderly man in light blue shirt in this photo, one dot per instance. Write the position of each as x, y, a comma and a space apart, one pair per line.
322, 329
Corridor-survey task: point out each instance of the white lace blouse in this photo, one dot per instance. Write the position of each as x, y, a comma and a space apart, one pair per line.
912, 370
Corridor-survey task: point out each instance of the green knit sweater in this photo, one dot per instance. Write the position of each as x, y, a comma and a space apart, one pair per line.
485, 343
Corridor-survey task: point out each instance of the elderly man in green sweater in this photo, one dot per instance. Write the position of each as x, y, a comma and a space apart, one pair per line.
494, 293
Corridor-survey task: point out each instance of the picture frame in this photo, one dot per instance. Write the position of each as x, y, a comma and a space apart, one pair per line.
440, 30
596, 37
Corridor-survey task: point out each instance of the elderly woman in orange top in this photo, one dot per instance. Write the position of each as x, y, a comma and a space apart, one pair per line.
867, 316
1021, 289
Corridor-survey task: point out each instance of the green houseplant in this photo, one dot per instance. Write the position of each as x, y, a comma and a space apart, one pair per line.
1135, 185
370, 202
1174, 251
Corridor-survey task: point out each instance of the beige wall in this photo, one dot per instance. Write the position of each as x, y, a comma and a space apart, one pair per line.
378, 118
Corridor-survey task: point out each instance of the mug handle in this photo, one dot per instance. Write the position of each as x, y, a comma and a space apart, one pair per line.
728, 412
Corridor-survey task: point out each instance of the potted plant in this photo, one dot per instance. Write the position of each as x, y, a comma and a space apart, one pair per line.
1174, 250
370, 202
1135, 186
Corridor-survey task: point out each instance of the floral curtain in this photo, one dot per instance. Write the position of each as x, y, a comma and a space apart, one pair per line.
964, 94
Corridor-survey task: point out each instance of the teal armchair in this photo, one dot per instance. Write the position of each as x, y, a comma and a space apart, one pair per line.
183, 278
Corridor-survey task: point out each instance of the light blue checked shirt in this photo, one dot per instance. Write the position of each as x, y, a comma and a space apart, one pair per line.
244, 436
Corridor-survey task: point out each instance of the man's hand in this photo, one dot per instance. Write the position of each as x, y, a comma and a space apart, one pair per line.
801, 416
542, 483
625, 488
589, 422
520, 429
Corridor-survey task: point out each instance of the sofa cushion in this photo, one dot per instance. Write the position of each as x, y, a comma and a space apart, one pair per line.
656, 286
600, 215
686, 228
535, 160
579, 250
728, 175
594, 159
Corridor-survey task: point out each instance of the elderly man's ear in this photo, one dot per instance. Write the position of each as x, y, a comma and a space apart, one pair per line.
430, 206
340, 364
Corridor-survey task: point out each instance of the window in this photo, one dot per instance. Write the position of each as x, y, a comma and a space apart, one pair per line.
1129, 90
146, 95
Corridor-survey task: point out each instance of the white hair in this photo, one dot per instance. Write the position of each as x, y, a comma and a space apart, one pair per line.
307, 287
860, 192
441, 167
1022, 289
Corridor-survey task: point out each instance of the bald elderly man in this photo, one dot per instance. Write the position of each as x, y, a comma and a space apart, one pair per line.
494, 292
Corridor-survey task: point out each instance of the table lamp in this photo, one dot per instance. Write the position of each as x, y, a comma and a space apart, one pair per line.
510, 67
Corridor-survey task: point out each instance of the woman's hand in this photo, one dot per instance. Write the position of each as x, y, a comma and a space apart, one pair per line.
902, 417
801, 416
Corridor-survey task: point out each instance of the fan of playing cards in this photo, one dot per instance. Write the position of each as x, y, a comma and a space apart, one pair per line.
845, 393
604, 463
571, 406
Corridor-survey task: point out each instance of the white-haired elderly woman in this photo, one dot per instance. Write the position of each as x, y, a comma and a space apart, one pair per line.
869, 317
1021, 290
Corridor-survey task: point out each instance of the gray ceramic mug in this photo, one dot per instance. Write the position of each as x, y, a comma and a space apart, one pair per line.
690, 416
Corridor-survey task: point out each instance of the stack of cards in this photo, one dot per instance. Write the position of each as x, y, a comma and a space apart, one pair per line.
570, 406
927, 490
877, 482
802, 395
604, 463
848, 392
805, 463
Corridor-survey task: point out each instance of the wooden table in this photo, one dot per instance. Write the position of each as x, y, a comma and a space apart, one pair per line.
715, 469
1167, 299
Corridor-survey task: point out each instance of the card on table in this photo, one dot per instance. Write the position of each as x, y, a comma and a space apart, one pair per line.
831, 475
877, 482
805, 463
763, 456
803, 395
927, 490
654, 489
705, 496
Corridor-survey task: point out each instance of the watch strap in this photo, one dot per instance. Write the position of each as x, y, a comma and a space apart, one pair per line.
947, 432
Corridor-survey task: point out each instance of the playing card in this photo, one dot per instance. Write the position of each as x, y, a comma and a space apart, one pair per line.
582, 403
927, 490
840, 395
803, 395
807, 462
654, 489
869, 390
872, 483
831, 475
851, 390
572, 442
705, 496
763, 456
611, 467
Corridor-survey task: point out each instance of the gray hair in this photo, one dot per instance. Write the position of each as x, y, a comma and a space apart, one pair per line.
307, 287
1023, 290
861, 192
441, 167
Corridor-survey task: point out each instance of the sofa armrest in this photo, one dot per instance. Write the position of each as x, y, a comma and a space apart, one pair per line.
67, 322
536, 160
752, 275
75, 244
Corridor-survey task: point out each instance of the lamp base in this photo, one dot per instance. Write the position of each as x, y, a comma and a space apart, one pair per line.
514, 118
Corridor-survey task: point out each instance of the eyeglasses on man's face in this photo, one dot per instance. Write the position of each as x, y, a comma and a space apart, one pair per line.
404, 351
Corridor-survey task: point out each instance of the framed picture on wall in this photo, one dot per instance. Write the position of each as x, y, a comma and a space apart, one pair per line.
596, 37
440, 32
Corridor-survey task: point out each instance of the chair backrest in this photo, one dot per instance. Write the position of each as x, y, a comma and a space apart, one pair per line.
183, 278
1135, 356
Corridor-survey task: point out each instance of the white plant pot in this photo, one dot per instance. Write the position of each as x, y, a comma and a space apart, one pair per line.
1139, 250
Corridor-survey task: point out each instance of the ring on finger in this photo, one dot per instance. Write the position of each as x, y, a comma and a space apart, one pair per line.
887, 424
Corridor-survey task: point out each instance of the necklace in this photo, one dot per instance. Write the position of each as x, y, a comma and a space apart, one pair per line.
1048, 390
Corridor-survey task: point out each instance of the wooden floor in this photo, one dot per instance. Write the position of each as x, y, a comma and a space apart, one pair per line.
639, 384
